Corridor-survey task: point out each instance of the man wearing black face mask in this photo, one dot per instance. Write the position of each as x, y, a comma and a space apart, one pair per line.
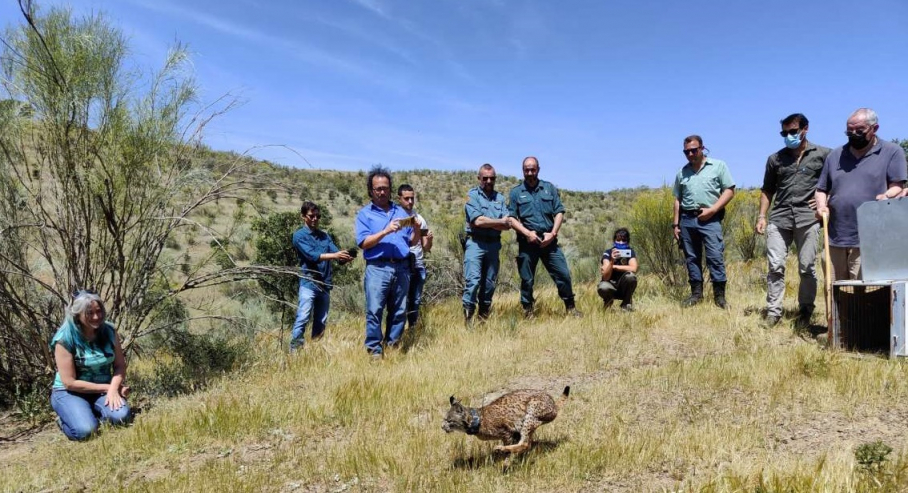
865, 169
791, 179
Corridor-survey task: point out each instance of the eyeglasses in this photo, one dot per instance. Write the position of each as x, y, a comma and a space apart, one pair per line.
860, 132
488, 178
691, 152
792, 132
381, 189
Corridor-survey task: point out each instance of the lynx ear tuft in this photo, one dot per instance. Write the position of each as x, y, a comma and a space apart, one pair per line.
453, 400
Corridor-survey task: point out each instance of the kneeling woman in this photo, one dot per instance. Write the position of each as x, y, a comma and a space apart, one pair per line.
90, 370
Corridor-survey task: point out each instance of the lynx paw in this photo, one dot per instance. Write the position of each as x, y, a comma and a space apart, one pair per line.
502, 448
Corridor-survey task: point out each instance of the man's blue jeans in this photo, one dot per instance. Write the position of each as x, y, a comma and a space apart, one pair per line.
414, 298
697, 236
80, 414
386, 285
480, 272
313, 304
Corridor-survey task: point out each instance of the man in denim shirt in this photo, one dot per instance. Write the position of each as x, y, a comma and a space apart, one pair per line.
789, 183
703, 187
486, 217
315, 251
385, 232
536, 214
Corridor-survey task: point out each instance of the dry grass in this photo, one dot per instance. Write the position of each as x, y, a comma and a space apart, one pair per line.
662, 399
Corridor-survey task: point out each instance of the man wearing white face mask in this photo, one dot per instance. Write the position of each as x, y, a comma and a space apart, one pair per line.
791, 179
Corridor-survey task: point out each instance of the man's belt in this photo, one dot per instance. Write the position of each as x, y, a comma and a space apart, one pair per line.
476, 237
387, 260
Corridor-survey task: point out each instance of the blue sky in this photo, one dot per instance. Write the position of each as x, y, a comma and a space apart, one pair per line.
603, 92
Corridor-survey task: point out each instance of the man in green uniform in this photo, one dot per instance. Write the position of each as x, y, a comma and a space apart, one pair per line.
536, 213
703, 187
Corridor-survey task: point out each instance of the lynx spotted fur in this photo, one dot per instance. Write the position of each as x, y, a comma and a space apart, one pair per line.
511, 418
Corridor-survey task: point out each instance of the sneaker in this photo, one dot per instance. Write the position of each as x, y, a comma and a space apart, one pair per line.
296, 349
376, 356
629, 307
574, 312
771, 321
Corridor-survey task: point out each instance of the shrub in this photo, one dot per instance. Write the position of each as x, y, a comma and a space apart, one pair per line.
651, 219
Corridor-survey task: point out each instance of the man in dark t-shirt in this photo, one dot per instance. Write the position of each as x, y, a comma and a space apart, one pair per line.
619, 272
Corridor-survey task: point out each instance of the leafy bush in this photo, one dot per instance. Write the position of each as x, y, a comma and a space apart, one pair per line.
651, 219
188, 362
740, 225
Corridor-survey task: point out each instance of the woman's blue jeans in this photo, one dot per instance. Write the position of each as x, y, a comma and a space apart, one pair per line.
81, 414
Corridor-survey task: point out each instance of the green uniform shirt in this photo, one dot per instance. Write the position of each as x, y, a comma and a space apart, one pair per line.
536, 208
702, 188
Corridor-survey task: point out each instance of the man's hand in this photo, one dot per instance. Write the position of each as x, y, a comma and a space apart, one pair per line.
343, 256
706, 213
547, 239
615, 255
812, 203
822, 211
532, 239
761, 225
392, 227
677, 232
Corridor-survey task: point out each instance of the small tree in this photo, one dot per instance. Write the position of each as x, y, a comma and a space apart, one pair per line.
94, 179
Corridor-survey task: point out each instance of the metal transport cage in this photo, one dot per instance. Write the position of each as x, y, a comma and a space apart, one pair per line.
870, 314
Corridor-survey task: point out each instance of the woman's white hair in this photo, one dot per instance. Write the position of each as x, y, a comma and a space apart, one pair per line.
82, 302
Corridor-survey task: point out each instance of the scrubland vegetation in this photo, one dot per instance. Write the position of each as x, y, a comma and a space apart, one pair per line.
201, 286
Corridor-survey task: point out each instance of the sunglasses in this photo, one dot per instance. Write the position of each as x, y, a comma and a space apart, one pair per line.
691, 152
792, 132
314, 216
857, 133
488, 178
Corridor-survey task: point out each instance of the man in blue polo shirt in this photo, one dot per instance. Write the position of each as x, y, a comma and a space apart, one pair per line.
536, 214
315, 251
385, 232
703, 187
486, 216
865, 169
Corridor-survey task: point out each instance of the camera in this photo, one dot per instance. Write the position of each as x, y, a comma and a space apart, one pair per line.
352, 252
624, 253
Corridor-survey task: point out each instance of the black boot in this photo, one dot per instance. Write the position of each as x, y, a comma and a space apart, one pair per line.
572, 309
484, 312
468, 316
719, 294
696, 294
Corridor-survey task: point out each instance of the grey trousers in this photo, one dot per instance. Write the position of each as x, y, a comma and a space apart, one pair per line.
777, 243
